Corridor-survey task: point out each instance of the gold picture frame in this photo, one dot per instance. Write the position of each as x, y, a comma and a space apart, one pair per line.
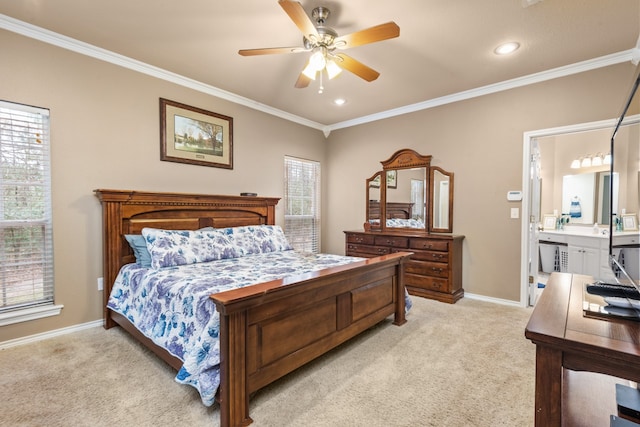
549, 222
195, 136
629, 222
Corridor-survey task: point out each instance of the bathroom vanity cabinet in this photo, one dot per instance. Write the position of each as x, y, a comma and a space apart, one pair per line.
588, 254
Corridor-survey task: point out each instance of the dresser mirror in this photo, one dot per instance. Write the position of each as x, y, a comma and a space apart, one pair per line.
373, 202
411, 195
441, 197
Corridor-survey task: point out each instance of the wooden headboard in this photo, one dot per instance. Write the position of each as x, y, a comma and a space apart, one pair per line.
394, 209
128, 212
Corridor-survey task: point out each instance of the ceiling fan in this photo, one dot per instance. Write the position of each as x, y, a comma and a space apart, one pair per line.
324, 42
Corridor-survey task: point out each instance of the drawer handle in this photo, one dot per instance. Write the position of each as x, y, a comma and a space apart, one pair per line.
437, 270
388, 242
381, 251
427, 245
436, 256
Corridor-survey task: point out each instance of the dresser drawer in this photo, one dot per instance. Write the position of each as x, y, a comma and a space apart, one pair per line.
395, 241
426, 282
355, 250
433, 245
430, 256
364, 239
427, 268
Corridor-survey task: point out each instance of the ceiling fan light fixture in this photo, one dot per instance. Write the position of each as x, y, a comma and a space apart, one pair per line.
310, 71
332, 68
318, 59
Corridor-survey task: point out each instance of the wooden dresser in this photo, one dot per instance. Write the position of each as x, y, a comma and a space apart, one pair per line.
433, 271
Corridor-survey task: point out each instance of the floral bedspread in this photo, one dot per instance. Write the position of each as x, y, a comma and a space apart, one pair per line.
171, 305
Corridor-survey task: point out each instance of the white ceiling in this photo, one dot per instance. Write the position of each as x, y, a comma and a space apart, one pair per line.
445, 47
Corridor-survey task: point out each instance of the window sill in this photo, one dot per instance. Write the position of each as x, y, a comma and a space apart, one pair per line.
29, 314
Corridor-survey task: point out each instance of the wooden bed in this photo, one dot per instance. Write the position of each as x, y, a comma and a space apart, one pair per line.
339, 302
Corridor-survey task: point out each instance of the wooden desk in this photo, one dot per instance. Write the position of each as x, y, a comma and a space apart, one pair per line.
565, 339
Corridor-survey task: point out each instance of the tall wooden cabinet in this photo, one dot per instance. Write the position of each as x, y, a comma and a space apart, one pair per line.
433, 271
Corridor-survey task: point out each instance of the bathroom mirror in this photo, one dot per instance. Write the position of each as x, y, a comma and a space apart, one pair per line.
585, 197
441, 197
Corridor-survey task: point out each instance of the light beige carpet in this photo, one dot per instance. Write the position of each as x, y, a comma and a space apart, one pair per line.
467, 364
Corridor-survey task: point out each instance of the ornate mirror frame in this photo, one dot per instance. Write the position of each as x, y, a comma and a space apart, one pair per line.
437, 195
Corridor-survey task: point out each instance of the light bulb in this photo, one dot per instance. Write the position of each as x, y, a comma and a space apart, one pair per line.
332, 69
597, 160
575, 164
310, 71
318, 60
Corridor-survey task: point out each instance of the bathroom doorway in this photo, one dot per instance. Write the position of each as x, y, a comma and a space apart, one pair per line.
540, 151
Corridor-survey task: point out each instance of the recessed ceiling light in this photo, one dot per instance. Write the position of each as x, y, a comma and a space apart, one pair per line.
339, 101
506, 48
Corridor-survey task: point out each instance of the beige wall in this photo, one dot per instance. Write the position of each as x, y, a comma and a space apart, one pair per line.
481, 141
105, 134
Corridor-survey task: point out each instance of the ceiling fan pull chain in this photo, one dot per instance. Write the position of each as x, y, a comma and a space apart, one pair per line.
321, 88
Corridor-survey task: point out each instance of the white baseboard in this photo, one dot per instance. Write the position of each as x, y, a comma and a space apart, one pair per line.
493, 300
46, 335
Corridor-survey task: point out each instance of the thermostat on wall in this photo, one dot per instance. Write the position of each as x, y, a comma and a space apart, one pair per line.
514, 196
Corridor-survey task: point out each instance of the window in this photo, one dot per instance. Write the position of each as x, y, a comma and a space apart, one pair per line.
26, 248
302, 203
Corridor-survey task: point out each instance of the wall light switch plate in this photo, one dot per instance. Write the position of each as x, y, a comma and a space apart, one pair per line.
100, 284
515, 213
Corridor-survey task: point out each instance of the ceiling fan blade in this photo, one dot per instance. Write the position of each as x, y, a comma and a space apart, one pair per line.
299, 17
302, 82
357, 68
271, 51
378, 33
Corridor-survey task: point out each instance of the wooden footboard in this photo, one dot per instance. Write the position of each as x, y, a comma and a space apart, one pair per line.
306, 318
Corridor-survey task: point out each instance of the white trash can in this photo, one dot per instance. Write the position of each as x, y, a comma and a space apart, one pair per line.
547, 256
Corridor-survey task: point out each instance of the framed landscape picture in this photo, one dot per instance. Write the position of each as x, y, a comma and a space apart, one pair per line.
195, 136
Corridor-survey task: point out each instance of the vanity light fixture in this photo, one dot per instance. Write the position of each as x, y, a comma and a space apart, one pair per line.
506, 48
589, 161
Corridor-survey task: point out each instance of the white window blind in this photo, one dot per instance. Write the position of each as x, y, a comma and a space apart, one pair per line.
26, 248
302, 204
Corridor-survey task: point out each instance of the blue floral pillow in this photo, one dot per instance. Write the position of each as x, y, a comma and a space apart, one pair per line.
169, 248
139, 247
258, 239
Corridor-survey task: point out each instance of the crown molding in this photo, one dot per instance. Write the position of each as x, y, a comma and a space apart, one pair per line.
74, 45
59, 40
567, 70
